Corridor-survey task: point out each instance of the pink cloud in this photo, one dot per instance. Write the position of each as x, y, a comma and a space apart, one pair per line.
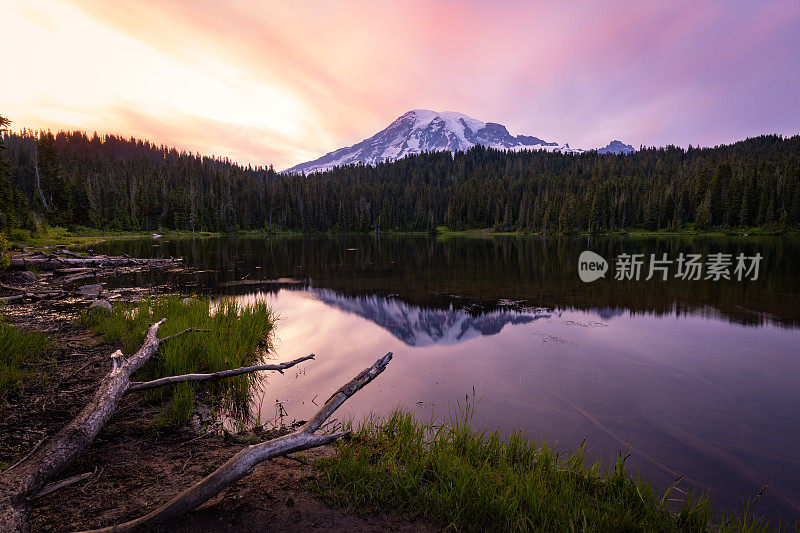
646, 72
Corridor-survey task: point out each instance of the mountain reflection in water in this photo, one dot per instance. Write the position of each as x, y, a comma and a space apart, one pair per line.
418, 326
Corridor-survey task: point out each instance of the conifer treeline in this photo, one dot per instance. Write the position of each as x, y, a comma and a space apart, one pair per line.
116, 183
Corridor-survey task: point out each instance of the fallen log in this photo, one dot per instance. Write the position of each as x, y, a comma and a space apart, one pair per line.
17, 486
72, 271
12, 288
52, 263
70, 279
69, 253
242, 464
35, 296
27, 478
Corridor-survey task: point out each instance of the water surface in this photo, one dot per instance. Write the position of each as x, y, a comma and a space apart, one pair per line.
698, 378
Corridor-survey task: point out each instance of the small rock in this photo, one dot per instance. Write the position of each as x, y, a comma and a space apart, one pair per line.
91, 291
101, 304
188, 301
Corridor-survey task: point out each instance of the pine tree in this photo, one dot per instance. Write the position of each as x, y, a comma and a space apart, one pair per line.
702, 219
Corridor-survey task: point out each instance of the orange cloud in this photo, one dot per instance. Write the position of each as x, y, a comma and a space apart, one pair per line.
301, 78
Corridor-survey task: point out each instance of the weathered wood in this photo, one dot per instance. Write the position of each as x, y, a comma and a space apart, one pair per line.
184, 332
51, 263
64, 483
216, 376
69, 253
28, 478
76, 277
242, 464
35, 296
12, 288
71, 271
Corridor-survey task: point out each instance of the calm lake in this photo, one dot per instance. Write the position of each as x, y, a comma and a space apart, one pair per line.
699, 378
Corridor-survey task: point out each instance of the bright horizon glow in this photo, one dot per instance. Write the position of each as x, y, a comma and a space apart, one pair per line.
285, 83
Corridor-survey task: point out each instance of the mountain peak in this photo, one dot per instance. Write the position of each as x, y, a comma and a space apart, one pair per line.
616, 147
424, 130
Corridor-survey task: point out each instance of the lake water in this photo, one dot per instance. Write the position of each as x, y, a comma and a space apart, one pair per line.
699, 377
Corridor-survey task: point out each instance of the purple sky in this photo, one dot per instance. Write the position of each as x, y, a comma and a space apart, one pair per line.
286, 82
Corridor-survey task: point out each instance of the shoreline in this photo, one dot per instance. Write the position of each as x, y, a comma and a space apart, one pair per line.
121, 481
69, 240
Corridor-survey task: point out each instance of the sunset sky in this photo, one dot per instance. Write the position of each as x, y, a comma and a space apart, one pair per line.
284, 82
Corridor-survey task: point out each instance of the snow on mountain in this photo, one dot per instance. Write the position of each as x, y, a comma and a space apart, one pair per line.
421, 130
419, 326
616, 147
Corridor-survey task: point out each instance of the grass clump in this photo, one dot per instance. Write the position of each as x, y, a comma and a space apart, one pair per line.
463, 479
234, 335
21, 356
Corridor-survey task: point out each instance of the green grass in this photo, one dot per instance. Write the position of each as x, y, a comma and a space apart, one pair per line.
21, 357
56, 236
238, 336
462, 479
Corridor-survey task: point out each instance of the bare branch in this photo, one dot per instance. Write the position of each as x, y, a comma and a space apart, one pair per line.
216, 376
187, 330
242, 464
12, 288
341, 395
58, 485
27, 455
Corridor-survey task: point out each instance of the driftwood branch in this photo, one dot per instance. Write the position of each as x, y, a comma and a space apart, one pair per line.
184, 332
29, 477
216, 376
243, 463
70, 253
64, 483
12, 288
51, 263
34, 296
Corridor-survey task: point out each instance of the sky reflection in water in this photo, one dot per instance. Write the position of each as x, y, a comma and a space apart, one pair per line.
700, 377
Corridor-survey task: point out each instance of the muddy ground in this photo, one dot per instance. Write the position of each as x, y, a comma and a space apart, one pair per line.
134, 471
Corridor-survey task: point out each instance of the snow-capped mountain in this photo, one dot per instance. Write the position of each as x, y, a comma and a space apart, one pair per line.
420, 326
616, 147
422, 130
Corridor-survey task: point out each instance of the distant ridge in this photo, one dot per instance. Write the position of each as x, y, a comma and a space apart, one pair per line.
616, 147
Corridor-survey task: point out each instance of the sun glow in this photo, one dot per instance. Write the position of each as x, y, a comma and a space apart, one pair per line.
95, 77
283, 83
